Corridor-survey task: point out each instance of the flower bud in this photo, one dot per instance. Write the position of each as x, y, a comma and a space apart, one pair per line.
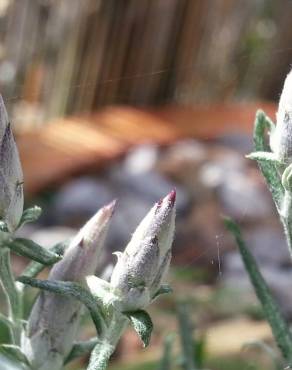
281, 137
11, 177
54, 319
142, 267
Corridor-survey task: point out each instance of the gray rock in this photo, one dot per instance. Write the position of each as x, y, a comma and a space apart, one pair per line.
130, 211
278, 280
269, 246
242, 143
79, 199
141, 159
227, 164
188, 150
149, 186
244, 199
270, 250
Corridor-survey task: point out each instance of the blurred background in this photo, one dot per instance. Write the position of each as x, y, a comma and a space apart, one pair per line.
130, 99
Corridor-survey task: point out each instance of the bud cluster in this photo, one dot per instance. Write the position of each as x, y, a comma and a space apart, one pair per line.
46, 343
135, 281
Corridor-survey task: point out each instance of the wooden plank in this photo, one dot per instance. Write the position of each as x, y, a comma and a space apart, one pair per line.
70, 146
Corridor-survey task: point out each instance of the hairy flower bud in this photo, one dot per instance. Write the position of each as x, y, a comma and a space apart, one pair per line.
281, 137
11, 177
142, 267
54, 319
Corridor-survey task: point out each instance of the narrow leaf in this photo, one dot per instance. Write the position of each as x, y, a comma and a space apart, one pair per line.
80, 349
166, 360
100, 356
272, 312
67, 288
14, 353
264, 156
142, 324
187, 342
34, 268
30, 215
268, 169
28, 248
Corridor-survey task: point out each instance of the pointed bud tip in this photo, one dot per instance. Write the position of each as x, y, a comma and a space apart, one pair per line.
172, 196
110, 208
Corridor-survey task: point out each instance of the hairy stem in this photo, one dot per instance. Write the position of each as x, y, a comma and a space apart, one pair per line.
105, 347
13, 296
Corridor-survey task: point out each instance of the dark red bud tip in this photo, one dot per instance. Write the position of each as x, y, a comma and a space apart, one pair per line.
172, 196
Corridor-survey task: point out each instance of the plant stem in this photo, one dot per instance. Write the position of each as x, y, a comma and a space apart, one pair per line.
13, 297
105, 347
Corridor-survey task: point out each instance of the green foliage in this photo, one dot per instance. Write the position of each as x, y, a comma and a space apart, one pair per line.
187, 342
14, 353
30, 215
28, 248
266, 160
142, 324
278, 324
166, 359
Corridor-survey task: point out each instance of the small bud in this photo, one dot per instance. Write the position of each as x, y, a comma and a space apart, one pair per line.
11, 177
142, 267
54, 319
281, 137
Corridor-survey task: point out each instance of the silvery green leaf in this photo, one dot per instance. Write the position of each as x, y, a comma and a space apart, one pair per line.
278, 324
166, 360
68, 289
269, 169
11, 177
14, 353
34, 268
186, 335
264, 156
7, 363
30, 249
30, 215
142, 324
287, 178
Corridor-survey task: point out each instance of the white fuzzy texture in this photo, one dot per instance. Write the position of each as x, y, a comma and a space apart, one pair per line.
54, 319
281, 137
11, 177
140, 270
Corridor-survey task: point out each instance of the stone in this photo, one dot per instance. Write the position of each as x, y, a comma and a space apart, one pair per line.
149, 186
141, 159
240, 142
243, 199
79, 199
